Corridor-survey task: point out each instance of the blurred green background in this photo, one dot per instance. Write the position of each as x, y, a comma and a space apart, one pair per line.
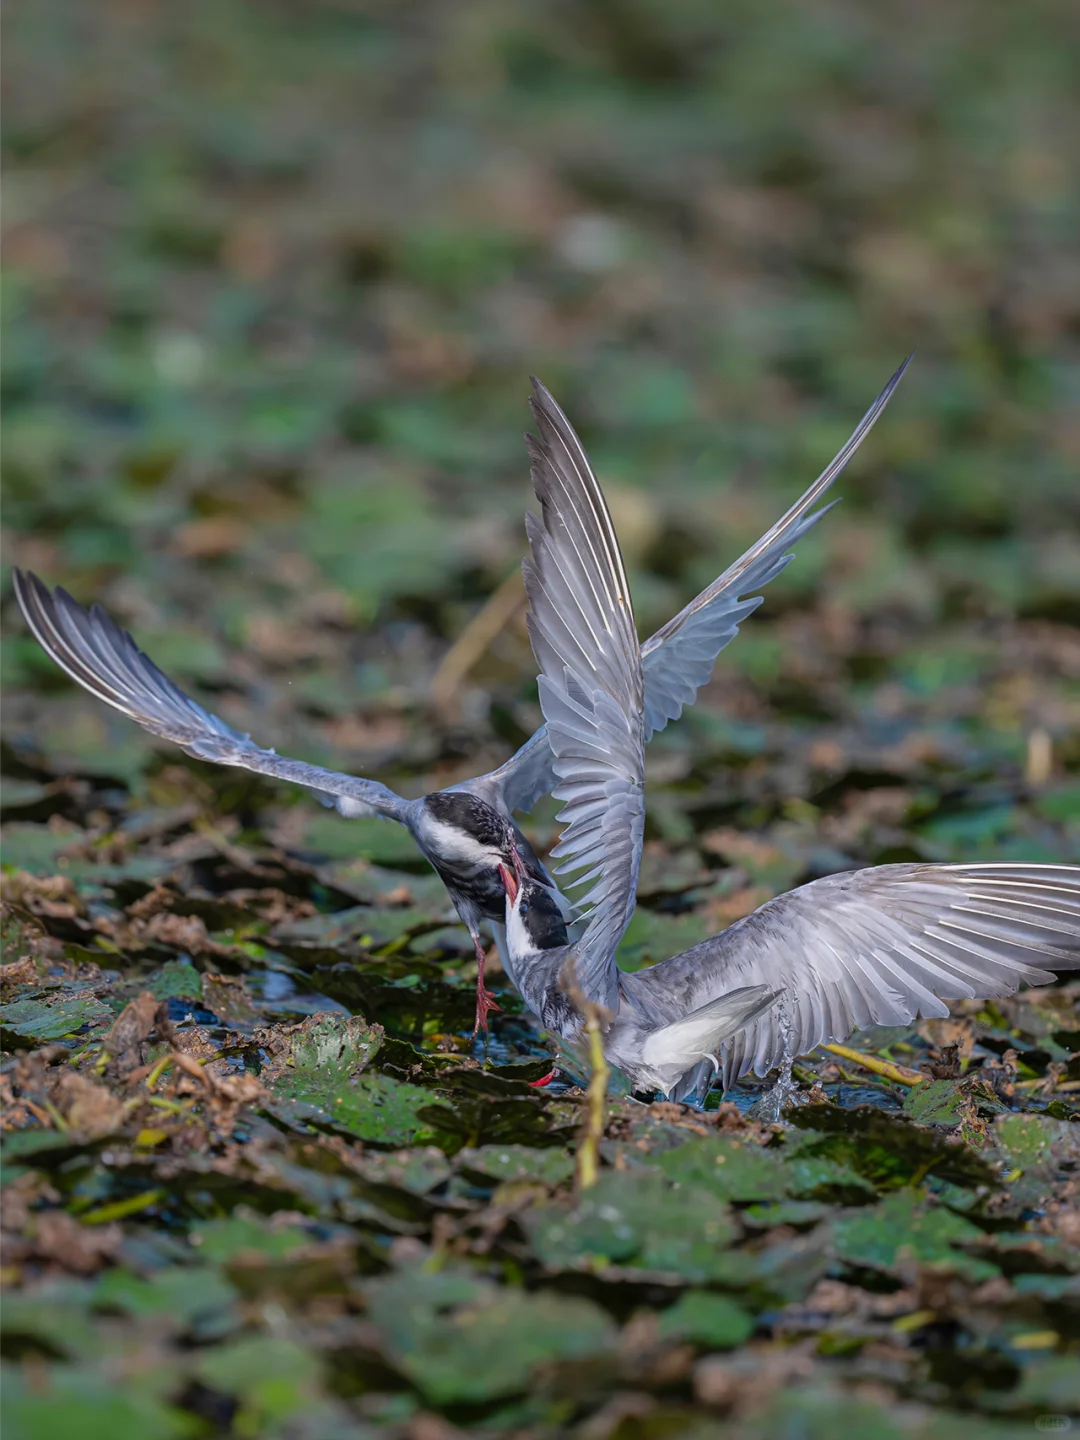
276, 276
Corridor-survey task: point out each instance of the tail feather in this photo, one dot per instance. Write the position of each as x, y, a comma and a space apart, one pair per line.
675, 1048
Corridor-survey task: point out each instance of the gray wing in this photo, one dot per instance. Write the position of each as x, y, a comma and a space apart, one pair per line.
581, 624
522, 780
679, 658
102, 658
881, 947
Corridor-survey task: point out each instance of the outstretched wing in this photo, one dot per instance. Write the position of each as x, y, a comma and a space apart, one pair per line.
105, 660
679, 658
883, 946
581, 624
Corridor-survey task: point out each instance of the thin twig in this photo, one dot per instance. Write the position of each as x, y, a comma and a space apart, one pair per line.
496, 612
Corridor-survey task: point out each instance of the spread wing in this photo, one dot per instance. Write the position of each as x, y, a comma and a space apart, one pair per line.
679, 658
581, 624
883, 946
105, 660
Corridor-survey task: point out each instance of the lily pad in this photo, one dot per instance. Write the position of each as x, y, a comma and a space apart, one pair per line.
712, 1321
183, 1295
518, 1162
934, 1102
82, 1401
905, 1230
462, 1341
223, 1240
54, 1017
176, 979
272, 1378
638, 1220
374, 1108
325, 1051
728, 1168
1038, 1143
883, 1148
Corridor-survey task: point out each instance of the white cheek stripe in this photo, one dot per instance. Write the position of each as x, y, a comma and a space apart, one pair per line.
456, 845
518, 940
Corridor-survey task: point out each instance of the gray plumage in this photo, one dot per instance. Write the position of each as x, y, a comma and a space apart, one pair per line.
880, 946
676, 662
877, 946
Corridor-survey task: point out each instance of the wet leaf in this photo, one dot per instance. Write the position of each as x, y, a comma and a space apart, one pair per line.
176, 979
82, 1401
904, 1231
54, 1017
635, 1220
884, 1149
934, 1102
441, 1335
712, 1321
224, 1240
518, 1162
272, 1378
184, 1296
322, 1053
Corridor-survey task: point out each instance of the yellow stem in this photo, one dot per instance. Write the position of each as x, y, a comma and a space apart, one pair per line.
588, 1155
158, 1070
898, 1073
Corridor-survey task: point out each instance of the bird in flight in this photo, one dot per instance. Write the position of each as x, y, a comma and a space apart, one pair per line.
453, 828
879, 946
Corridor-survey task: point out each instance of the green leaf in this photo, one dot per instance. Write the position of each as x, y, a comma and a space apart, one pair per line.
81, 1401
55, 1315
35, 848
784, 1212
44, 1020
884, 1148
374, 1108
635, 1219
712, 1321
1051, 1384
369, 839
176, 979
272, 1378
325, 1051
905, 1229
651, 937
728, 1168
223, 1240
1037, 1143
184, 1295
463, 1341
934, 1102
518, 1162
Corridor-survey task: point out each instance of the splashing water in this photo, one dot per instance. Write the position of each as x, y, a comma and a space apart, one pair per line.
785, 1092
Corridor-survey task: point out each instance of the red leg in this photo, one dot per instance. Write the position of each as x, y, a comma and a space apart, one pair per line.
485, 1001
544, 1080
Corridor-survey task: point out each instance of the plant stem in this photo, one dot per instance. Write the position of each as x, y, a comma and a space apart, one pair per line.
899, 1073
588, 1153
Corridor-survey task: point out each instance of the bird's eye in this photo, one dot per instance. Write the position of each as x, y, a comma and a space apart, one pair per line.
523, 909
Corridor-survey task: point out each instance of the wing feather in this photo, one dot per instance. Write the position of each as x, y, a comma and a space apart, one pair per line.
103, 659
877, 947
679, 658
581, 624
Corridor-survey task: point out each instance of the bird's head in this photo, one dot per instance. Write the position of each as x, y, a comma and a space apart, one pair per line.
534, 920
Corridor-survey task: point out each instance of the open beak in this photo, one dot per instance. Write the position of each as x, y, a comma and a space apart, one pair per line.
519, 868
510, 884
